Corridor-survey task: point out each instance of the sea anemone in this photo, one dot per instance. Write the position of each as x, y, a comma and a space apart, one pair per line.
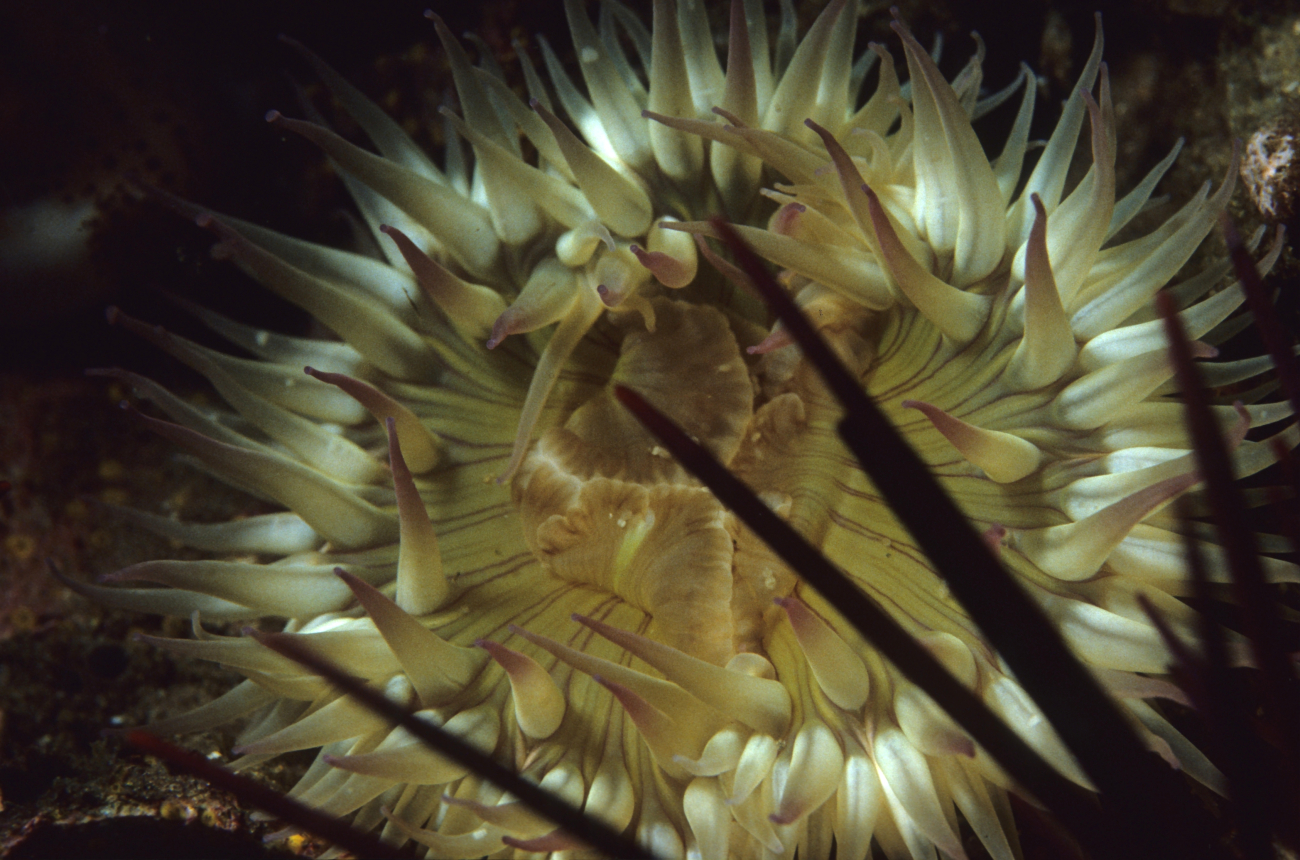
533, 572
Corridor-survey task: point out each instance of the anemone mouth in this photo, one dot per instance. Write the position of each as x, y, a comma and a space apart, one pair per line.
534, 573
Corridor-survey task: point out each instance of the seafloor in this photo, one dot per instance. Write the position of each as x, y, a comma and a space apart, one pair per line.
90, 91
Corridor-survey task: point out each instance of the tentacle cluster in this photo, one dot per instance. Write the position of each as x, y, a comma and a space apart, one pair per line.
475, 526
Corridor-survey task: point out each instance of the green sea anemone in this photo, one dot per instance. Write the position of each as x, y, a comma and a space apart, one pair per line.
533, 572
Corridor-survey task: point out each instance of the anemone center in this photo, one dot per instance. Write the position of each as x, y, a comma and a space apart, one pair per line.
604, 506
